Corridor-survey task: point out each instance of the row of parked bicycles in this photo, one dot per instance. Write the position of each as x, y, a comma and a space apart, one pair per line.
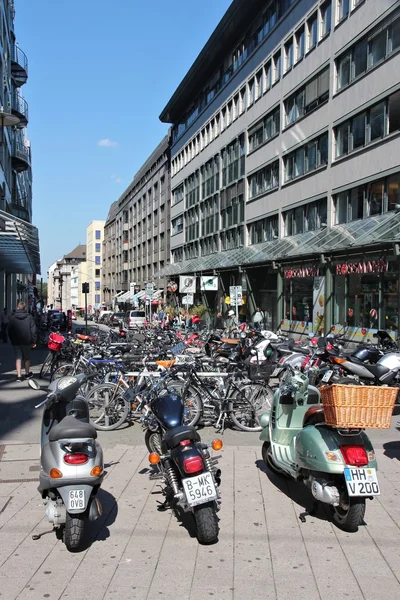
222, 381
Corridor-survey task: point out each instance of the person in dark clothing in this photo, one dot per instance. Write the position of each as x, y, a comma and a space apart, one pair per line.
22, 334
4, 318
219, 321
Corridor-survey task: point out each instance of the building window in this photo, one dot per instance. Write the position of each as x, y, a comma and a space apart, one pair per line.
97, 298
368, 52
209, 245
264, 180
192, 189
367, 200
264, 130
251, 92
98, 234
232, 212
309, 217
307, 98
192, 224
233, 161
259, 84
263, 230
210, 177
98, 247
289, 54
300, 43
177, 225
177, 255
268, 75
191, 250
233, 238
177, 195
210, 216
97, 260
97, 273
369, 126
326, 18
312, 31
343, 9
97, 285
277, 66
307, 158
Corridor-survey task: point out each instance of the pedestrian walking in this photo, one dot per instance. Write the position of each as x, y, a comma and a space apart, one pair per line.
219, 321
4, 325
258, 318
231, 323
22, 334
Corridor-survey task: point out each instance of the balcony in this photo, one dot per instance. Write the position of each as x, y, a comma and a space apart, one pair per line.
20, 156
19, 66
19, 108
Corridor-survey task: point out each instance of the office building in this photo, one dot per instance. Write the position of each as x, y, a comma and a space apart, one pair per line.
94, 253
285, 168
60, 275
19, 239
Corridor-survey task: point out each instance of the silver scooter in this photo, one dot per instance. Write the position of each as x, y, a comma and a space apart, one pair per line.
71, 462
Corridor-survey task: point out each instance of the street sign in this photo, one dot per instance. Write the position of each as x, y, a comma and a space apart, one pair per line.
149, 290
187, 284
188, 299
235, 293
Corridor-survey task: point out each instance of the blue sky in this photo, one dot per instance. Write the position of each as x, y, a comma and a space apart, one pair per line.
100, 72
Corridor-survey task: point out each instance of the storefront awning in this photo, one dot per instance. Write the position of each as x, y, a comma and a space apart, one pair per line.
19, 245
132, 297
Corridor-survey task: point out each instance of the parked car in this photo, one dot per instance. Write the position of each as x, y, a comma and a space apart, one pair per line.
134, 319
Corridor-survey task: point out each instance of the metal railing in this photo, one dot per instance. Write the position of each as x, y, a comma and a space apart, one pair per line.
19, 57
21, 151
19, 105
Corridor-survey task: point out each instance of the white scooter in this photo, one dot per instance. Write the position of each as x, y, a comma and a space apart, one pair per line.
71, 462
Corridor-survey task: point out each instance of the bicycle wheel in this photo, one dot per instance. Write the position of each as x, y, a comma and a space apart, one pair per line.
45, 371
193, 404
108, 409
62, 371
247, 406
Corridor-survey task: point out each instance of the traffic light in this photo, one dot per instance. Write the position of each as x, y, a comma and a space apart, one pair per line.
85, 288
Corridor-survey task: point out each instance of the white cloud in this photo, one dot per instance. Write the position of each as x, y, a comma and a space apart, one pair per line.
107, 143
116, 179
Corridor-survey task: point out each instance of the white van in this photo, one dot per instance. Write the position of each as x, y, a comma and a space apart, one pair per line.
135, 318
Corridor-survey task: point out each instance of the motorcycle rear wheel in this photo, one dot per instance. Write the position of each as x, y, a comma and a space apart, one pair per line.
206, 523
75, 532
350, 517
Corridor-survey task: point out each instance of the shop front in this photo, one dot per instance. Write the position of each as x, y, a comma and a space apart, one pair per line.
365, 296
303, 299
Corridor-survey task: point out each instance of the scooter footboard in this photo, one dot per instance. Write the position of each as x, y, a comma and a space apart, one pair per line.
76, 497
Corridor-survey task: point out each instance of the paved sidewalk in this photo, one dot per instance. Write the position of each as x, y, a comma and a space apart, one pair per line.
264, 550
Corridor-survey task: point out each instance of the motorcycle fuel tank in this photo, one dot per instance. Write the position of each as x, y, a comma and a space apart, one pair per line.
390, 361
367, 354
168, 409
318, 449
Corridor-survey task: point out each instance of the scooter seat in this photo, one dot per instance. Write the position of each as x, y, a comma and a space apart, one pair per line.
314, 415
174, 436
377, 370
70, 427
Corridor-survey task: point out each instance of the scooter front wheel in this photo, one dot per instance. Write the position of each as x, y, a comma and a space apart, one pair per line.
75, 532
266, 453
350, 516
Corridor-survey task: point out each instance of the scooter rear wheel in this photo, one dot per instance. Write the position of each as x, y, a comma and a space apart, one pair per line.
350, 517
75, 532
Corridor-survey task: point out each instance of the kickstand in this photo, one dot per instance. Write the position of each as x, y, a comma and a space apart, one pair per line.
309, 513
39, 535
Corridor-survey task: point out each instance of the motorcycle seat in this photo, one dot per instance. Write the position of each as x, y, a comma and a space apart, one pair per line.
377, 370
70, 427
315, 414
174, 436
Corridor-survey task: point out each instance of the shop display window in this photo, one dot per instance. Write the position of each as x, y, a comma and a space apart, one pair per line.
298, 299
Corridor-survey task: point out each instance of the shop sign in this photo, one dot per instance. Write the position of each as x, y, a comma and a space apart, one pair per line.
361, 268
301, 272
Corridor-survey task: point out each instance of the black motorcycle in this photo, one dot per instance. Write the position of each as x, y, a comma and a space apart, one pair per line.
184, 464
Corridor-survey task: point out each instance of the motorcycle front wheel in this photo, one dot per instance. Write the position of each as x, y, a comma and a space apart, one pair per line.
350, 516
75, 532
206, 523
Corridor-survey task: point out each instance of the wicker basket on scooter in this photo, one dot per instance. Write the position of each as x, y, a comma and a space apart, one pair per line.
55, 342
358, 406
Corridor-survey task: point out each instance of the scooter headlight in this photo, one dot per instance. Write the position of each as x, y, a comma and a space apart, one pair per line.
64, 382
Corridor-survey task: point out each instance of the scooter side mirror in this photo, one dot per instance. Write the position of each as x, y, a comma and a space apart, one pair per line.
33, 384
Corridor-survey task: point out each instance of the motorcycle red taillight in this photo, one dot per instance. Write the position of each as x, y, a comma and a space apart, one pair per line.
78, 458
193, 464
184, 443
355, 456
282, 360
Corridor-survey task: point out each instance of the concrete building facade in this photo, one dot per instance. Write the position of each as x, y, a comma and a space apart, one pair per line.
19, 239
94, 252
137, 231
60, 276
285, 169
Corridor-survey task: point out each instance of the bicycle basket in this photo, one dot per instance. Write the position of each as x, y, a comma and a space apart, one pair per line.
260, 371
55, 342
